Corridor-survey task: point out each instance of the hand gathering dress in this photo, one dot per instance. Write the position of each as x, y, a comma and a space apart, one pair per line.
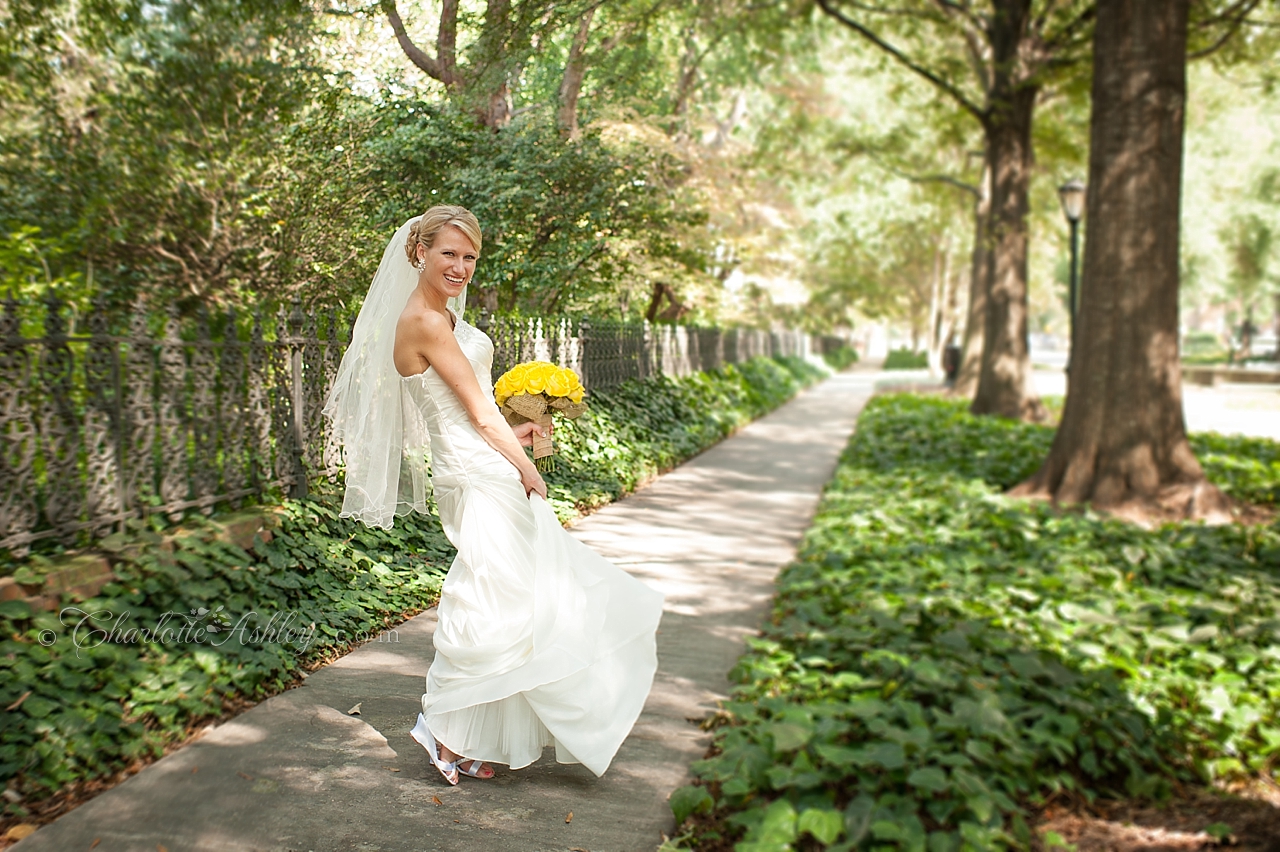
541, 641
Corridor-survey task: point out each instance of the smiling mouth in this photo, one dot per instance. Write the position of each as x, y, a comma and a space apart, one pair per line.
455, 280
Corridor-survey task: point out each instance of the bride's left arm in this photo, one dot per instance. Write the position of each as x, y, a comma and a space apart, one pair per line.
434, 338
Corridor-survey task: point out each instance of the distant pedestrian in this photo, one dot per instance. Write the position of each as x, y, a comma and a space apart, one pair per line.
951, 362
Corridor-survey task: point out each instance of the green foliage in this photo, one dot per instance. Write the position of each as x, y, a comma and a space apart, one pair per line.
117, 697
564, 223
211, 153
332, 582
905, 359
941, 657
842, 358
633, 432
1246, 468
1203, 347
936, 431
687, 801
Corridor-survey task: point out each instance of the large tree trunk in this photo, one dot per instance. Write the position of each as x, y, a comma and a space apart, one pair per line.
979, 280
1122, 443
1004, 378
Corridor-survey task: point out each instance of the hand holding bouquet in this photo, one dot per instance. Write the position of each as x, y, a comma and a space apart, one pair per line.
532, 391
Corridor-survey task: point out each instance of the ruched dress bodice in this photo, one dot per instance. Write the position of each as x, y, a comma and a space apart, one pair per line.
433, 410
540, 641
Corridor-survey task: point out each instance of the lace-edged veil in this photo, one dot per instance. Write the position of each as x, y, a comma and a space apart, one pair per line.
387, 467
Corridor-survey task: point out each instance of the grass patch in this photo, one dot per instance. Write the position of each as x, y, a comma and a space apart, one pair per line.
941, 658
84, 714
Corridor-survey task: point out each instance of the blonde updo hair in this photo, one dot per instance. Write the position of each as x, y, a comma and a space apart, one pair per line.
424, 231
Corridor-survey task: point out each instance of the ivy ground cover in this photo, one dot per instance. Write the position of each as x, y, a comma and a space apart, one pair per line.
942, 658
319, 586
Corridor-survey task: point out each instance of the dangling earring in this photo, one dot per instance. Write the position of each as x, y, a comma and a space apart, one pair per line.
421, 265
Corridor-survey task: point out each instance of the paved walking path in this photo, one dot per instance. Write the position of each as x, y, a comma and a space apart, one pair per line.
297, 773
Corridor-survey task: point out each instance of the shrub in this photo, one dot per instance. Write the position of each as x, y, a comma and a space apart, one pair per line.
905, 359
842, 358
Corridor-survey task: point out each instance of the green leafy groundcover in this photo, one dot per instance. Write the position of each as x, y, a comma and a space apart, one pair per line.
89, 711
941, 657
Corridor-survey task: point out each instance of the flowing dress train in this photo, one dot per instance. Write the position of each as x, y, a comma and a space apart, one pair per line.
541, 641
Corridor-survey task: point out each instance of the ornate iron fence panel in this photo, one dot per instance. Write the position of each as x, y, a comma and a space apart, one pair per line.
160, 415
101, 427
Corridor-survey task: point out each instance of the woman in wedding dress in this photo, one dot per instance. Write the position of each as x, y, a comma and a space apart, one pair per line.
540, 641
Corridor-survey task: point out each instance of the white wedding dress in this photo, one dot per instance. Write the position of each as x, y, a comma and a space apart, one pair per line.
541, 641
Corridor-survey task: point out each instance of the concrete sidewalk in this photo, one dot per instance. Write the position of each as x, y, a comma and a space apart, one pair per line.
297, 773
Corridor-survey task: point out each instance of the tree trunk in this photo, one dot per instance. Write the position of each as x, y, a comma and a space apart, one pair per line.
1122, 443
946, 310
979, 279
1005, 374
575, 71
940, 304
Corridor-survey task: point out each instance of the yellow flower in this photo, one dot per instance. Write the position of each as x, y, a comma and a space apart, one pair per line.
559, 383
536, 379
575, 395
514, 378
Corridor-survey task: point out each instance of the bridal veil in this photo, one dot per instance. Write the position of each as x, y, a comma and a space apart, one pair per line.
387, 458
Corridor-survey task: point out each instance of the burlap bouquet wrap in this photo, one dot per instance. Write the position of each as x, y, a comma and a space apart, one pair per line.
534, 391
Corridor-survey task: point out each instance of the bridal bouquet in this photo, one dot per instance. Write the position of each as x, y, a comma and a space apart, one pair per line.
534, 391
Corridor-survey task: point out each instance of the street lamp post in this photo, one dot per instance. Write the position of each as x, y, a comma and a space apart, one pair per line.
1071, 194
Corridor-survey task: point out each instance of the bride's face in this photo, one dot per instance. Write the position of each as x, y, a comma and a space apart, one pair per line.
450, 261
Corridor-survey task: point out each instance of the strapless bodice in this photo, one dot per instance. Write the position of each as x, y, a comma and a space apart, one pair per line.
433, 411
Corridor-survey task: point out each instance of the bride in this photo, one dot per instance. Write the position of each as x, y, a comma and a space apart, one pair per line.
541, 641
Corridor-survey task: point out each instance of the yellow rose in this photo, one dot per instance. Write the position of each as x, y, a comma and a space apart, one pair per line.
536, 379
575, 395
514, 378
559, 383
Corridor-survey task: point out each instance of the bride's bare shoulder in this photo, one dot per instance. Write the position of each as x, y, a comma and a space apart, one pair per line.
420, 323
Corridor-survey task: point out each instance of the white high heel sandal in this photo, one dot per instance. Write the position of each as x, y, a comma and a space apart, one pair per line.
422, 735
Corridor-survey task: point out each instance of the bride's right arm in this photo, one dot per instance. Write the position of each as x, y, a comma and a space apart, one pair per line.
431, 335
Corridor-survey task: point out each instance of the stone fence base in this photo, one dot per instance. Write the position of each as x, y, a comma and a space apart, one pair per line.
79, 576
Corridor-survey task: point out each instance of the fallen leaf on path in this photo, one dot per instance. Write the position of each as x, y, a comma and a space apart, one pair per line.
245, 777
160, 848
195, 769
95, 842
21, 698
391, 768
436, 800
578, 849
20, 831
355, 711
569, 818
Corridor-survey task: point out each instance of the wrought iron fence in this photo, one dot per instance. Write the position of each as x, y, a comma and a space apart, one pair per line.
163, 416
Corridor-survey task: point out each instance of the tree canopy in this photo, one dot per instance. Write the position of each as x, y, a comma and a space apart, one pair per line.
827, 164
